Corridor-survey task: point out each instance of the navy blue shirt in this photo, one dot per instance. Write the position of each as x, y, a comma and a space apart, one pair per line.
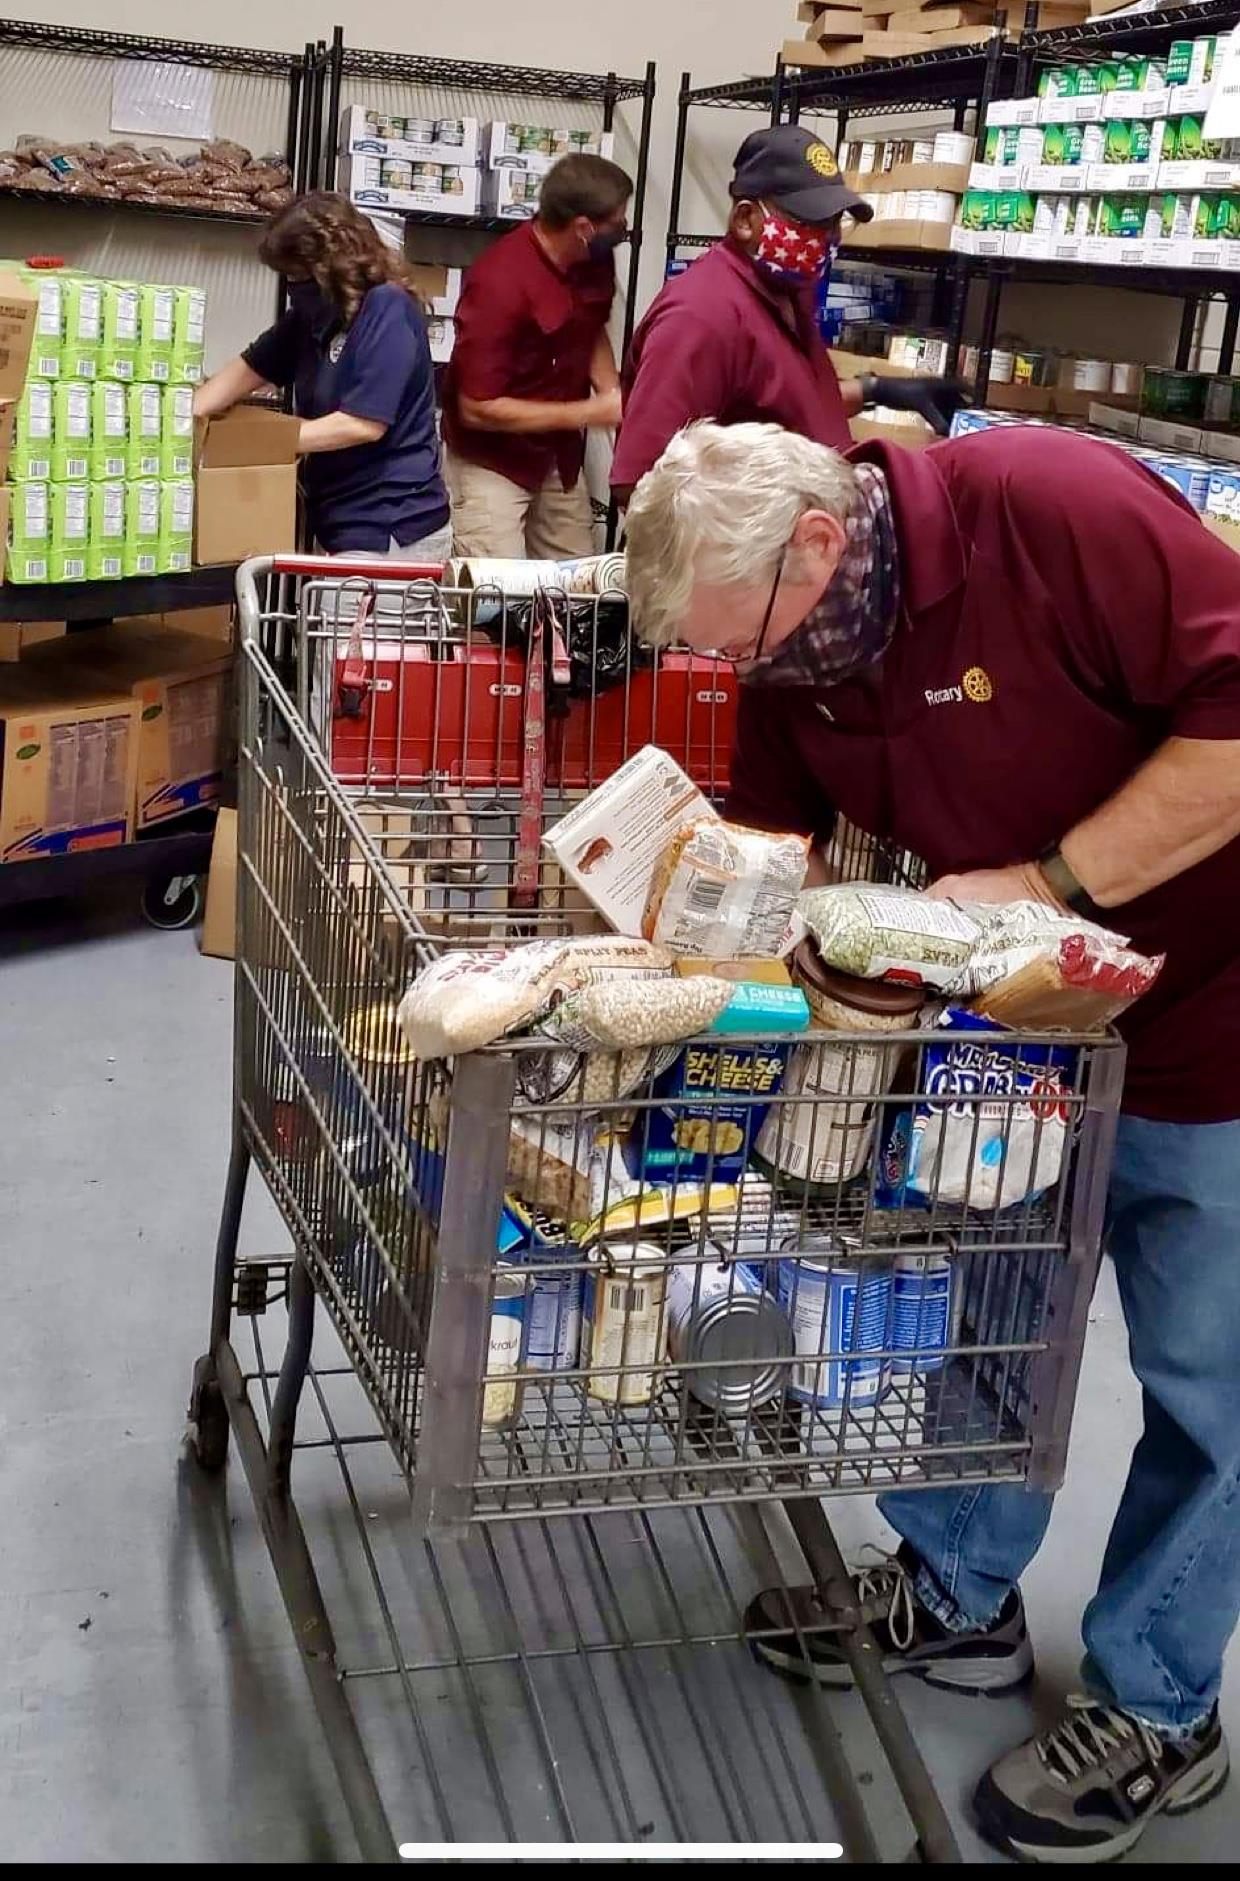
380, 367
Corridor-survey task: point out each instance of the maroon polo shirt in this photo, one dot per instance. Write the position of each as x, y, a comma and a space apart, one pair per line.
1063, 612
525, 329
717, 342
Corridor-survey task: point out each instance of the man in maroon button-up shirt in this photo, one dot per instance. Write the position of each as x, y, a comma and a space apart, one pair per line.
736, 337
532, 368
1018, 655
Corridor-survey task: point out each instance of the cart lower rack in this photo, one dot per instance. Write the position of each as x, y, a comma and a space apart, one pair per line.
569, 1340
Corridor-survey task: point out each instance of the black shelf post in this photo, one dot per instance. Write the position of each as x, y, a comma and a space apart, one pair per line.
1227, 344
331, 131
1188, 331
678, 168
639, 206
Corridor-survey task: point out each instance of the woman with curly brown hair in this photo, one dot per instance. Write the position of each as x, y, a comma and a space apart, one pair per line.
353, 345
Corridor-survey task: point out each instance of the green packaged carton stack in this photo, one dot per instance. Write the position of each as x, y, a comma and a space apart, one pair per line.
102, 462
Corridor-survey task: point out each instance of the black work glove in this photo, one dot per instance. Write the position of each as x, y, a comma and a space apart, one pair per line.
937, 400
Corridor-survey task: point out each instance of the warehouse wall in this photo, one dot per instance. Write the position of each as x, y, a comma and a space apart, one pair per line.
69, 96
720, 40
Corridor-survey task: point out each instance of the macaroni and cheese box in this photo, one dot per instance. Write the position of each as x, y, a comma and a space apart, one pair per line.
71, 416
109, 429
30, 532
31, 458
706, 1127
83, 335
105, 554
143, 452
118, 348
156, 322
142, 519
70, 512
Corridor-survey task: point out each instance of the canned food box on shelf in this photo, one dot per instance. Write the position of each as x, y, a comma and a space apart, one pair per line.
1004, 111
436, 140
432, 188
441, 332
512, 194
506, 144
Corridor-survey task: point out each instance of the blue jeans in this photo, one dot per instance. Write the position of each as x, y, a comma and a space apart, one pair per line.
1169, 1593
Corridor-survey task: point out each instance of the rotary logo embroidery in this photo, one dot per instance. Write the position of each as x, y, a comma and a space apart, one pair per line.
977, 686
819, 158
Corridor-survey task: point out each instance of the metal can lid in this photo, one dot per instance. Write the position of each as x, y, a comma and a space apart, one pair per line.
373, 1035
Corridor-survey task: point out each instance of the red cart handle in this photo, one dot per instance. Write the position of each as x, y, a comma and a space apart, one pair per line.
351, 567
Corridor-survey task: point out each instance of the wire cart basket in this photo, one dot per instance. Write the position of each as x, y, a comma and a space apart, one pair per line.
624, 1318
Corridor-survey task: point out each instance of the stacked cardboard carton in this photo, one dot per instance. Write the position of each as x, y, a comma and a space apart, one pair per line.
846, 32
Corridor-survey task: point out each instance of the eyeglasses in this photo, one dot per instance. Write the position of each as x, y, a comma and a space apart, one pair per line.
756, 655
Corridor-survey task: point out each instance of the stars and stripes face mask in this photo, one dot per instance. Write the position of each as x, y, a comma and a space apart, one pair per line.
791, 253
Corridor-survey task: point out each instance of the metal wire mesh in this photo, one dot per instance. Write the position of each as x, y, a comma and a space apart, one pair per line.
518, 1250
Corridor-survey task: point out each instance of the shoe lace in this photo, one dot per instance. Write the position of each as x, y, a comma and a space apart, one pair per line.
1089, 1735
887, 1579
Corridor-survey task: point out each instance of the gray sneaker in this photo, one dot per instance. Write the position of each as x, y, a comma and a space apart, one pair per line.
790, 1630
1087, 1789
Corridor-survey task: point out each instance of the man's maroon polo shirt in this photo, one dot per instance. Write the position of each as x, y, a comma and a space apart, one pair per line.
1063, 613
525, 329
716, 343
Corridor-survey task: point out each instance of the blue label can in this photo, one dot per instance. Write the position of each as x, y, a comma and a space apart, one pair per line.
923, 1290
553, 1304
838, 1305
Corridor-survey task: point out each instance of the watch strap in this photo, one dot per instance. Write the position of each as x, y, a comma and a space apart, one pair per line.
1064, 885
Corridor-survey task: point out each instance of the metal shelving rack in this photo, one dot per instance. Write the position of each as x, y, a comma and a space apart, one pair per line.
178, 854
606, 90
961, 80
965, 80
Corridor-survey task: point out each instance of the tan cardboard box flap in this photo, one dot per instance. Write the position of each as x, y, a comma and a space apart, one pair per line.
1227, 532
953, 177
19, 307
243, 511
809, 52
940, 19
219, 921
835, 23
914, 436
246, 436
18, 636
896, 234
907, 45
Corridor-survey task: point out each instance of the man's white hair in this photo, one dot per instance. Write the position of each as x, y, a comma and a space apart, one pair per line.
720, 506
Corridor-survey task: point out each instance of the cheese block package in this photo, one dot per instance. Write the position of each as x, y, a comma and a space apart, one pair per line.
721, 890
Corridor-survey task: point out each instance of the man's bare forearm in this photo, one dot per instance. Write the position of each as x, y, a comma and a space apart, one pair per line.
1180, 807
604, 376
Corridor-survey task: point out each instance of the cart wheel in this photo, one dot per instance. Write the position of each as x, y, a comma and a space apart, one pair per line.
172, 901
207, 1433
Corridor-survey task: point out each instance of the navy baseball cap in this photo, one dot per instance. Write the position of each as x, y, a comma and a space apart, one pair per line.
788, 166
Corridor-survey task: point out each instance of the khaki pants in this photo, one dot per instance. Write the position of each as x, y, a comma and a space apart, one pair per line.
494, 517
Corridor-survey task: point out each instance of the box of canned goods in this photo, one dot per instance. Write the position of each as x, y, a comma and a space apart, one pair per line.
507, 144
511, 193
1221, 406
409, 136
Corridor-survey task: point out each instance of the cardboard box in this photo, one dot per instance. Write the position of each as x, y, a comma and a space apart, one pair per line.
219, 921
936, 19
442, 336
363, 129
439, 286
18, 636
512, 194
953, 177
832, 24
1225, 531
915, 435
898, 234
889, 45
808, 52
182, 688
610, 843
507, 144
211, 623
247, 485
19, 307
360, 178
68, 766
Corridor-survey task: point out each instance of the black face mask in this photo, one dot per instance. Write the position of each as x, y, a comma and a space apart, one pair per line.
310, 303
604, 242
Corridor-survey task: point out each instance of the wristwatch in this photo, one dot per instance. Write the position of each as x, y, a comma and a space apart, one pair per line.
1061, 879
869, 389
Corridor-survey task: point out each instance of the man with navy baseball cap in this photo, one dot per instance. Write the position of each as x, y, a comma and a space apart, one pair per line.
735, 338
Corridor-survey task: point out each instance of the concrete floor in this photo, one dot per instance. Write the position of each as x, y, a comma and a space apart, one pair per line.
151, 1703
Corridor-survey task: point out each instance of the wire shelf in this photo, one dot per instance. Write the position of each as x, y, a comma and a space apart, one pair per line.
65, 199
87, 42
928, 81
1132, 31
409, 68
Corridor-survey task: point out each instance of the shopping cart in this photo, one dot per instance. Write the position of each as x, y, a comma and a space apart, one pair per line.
603, 1319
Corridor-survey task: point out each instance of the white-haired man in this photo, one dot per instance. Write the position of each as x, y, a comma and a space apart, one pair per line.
1018, 655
